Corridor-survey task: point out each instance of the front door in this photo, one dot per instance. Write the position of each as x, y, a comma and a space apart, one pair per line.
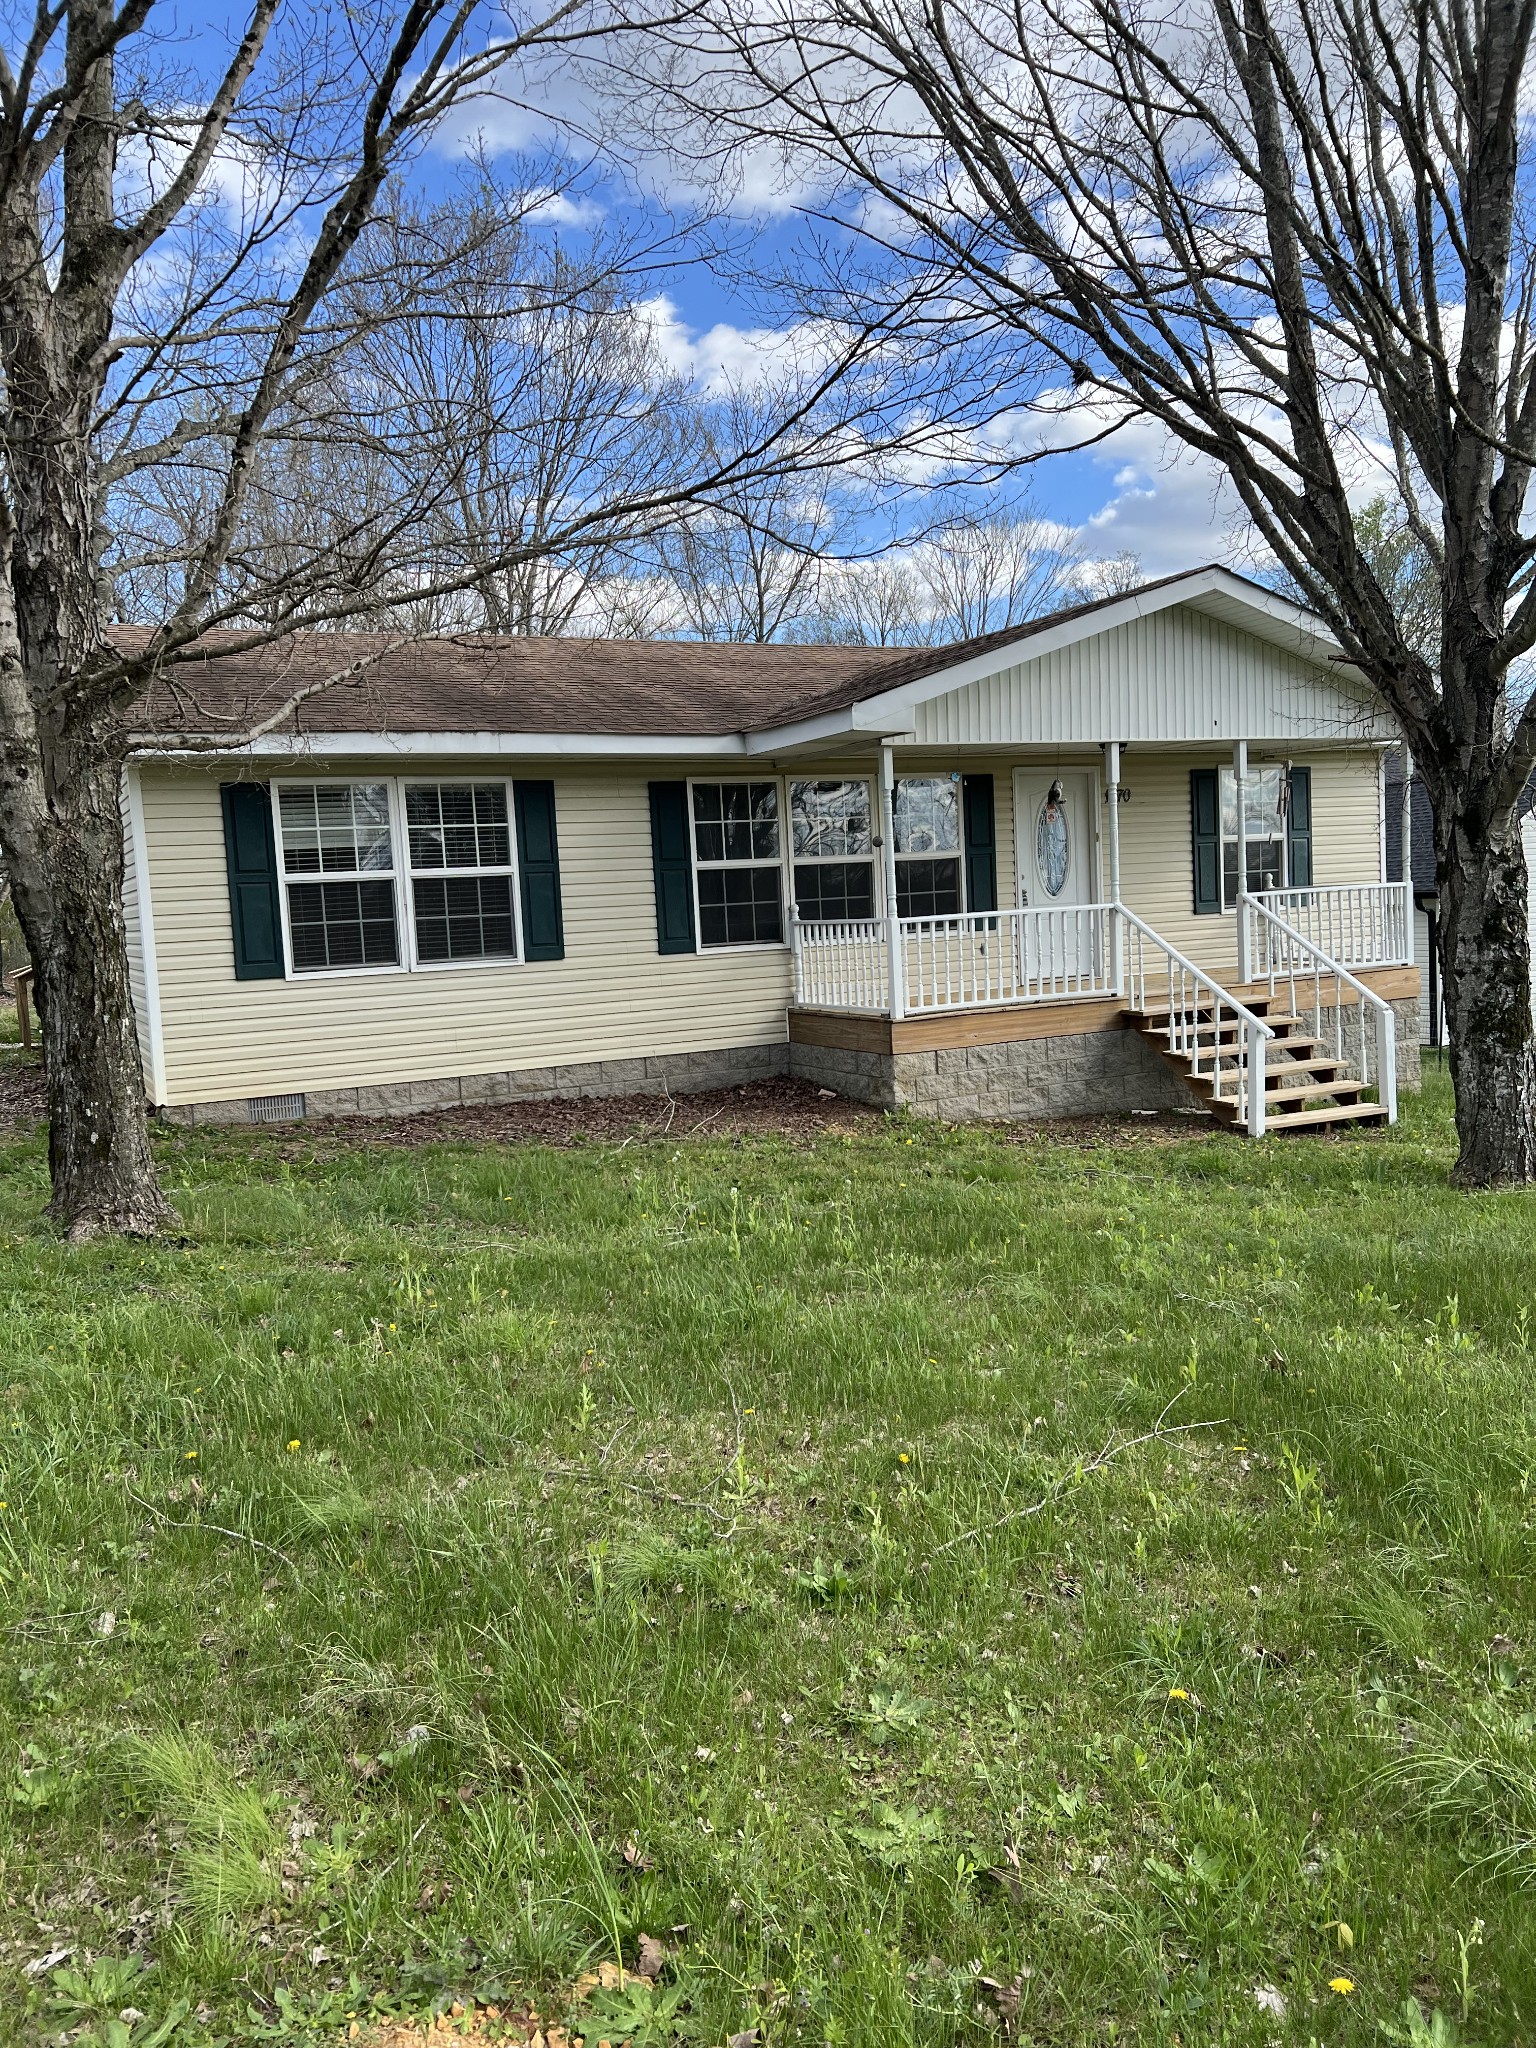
1055, 841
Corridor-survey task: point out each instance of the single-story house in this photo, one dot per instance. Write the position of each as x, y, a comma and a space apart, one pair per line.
1127, 856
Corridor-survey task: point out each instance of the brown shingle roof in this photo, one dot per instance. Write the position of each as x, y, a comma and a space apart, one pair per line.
480, 683
484, 684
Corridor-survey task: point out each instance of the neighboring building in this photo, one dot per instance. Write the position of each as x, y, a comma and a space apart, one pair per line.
1426, 889
487, 868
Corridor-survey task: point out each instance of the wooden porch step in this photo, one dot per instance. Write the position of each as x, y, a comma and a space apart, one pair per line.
1231, 1037
1276, 1090
1306, 1087
1280, 1088
1319, 1119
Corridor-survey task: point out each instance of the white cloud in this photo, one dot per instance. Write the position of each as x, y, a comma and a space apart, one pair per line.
565, 209
725, 357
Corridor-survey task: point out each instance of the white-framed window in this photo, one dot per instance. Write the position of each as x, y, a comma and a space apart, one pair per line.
384, 873
459, 842
930, 867
1264, 803
738, 862
832, 847
336, 851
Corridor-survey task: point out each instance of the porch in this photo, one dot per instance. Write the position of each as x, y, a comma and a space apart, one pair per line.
1304, 1035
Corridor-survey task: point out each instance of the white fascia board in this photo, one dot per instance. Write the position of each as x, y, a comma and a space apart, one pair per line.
831, 725
329, 746
893, 707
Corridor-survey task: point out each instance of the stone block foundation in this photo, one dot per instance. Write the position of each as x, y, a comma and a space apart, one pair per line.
1080, 1073
678, 1073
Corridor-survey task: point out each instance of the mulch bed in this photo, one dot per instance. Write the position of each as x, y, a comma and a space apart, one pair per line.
780, 1108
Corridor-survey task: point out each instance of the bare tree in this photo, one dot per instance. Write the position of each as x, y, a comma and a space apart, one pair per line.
748, 566
987, 574
1297, 234
537, 378
189, 275
964, 576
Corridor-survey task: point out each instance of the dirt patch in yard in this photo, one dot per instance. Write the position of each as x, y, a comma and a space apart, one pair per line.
21, 1088
779, 1108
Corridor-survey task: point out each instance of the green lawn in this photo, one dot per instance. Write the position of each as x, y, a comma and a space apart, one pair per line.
447, 1566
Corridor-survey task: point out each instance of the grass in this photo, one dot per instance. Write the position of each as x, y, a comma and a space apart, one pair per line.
446, 1567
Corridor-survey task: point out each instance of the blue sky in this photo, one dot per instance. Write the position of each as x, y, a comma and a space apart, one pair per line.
1126, 496
1134, 494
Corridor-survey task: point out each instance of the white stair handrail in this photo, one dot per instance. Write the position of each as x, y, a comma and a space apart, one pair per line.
1185, 1027
1322, 966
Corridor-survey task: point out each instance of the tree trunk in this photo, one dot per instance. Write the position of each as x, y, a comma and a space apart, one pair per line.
67, 884
1486, 975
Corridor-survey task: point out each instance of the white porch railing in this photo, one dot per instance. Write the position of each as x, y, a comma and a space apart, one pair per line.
1362, 924
1053, 954
968, 961
1223, 1040
1282, 953
841, 963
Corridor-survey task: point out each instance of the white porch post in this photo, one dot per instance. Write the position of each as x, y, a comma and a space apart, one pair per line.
1117, 930
1240, 777
894, 963
1407, 842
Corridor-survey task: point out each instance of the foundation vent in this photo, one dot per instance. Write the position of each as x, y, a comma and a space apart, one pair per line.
275, 1109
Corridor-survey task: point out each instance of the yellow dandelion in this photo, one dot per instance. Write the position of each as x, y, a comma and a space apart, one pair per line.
293, 1443
191, 1454
1342, 1985
904, 1458
1177, 1692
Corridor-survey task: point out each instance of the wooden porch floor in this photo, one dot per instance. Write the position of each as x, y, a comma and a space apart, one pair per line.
940, 1030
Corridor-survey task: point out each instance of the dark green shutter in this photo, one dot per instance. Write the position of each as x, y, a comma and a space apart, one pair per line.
1205, 826
1298, 830
672, 860
980, 843
538, 870
250, 855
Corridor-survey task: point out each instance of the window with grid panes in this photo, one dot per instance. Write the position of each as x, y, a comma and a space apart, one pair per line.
459, 837
1264, 831
338, 864
738, 863
832, 844
929, 878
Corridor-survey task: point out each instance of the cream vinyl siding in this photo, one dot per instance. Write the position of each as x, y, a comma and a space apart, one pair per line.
1176, 676
612, 996
1156, 844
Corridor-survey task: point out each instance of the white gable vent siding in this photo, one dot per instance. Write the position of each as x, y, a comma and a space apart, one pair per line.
611, 998
1177, 676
